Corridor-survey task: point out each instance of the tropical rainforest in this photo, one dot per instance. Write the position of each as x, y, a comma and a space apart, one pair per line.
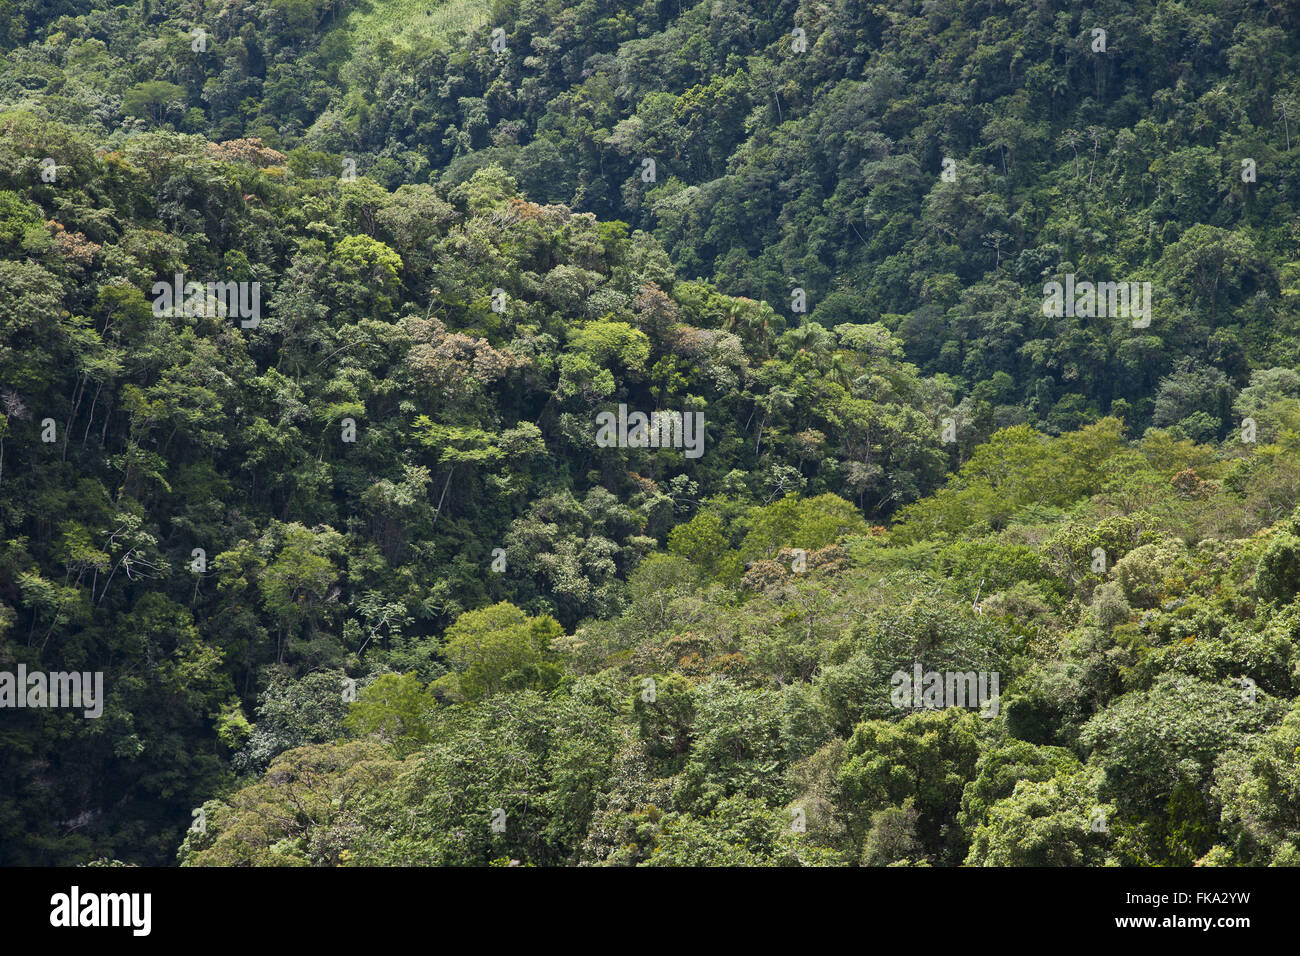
365, 589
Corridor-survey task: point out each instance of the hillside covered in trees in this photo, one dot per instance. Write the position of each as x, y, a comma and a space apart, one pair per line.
369, 583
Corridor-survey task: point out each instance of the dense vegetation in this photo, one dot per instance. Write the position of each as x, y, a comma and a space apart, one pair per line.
365, 588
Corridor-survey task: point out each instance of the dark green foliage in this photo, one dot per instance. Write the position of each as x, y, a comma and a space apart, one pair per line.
365, 588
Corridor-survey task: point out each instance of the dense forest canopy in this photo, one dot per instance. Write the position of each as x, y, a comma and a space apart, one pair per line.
311, 317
